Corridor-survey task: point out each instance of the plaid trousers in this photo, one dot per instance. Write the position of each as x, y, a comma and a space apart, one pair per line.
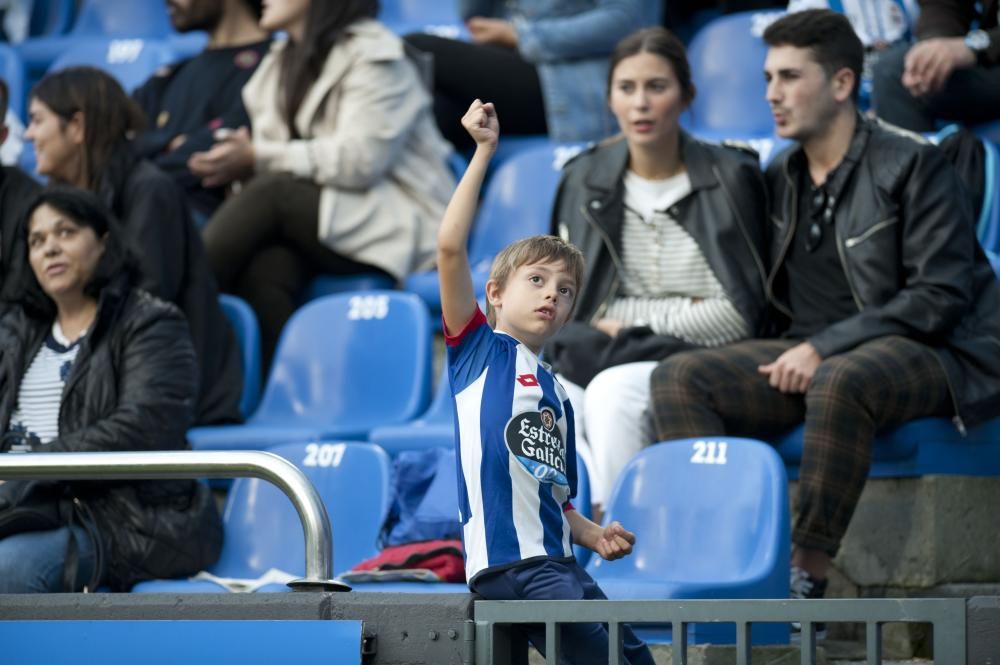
878, 384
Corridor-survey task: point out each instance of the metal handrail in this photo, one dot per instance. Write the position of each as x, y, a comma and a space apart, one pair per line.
186, 464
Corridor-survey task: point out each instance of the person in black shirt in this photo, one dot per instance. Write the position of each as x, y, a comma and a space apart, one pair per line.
16, 190
888, 308
186, 103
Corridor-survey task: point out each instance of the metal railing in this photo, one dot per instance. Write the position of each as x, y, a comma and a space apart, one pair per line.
495, 644
194, 465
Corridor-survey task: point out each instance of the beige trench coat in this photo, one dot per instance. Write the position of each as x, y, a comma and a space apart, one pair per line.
369, 140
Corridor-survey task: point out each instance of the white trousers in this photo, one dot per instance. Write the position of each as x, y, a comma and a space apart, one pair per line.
614, 424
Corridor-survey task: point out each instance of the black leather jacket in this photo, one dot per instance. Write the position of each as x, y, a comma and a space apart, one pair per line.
907, 244
725, 213
132, 387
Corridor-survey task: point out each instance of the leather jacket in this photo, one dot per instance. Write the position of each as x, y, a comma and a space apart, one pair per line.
725, 213
908, 248
132, 387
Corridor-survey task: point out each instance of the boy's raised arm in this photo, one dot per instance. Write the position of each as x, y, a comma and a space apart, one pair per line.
458, 301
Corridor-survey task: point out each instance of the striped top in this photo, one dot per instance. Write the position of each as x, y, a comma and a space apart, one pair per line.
36, 416
667, 283
515, 451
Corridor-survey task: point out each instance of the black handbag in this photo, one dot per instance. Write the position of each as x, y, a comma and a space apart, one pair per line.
579, 351
33, 505
44, 505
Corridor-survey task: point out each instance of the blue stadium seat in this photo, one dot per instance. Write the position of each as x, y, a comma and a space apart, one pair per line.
517, 203
434, 429
101, 19
51, 17
130, 61
711, 521
920, 447
12, 72
988, 227
327, 285
262, 530
438, 17
244, 322
344, 364
727, 64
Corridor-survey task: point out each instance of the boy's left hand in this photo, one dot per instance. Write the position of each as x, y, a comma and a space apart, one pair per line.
615, 542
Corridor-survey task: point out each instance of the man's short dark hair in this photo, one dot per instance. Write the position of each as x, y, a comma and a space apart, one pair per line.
4, 99
829, 36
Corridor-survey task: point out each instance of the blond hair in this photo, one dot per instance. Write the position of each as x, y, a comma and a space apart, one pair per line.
536, 249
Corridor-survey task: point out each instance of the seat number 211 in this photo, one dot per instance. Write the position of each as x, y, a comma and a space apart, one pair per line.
709, 452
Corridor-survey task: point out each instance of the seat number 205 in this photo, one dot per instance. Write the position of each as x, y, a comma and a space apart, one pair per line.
709, 452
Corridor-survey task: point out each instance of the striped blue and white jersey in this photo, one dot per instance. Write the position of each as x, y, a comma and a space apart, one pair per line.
516, 454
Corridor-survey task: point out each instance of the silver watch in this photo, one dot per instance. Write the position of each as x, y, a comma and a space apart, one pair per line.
977, 41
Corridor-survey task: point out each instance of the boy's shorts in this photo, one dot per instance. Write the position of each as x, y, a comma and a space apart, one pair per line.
581, 643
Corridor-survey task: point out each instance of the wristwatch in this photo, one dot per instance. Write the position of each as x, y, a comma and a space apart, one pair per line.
978, 41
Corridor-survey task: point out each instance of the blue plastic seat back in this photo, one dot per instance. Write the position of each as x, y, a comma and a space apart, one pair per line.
727, 66
130, 61
247, 330
325, 285
263, 531
362, 359
704, 512
12, 72
438, 17
517, 203
988, 228
118, 18
51, 17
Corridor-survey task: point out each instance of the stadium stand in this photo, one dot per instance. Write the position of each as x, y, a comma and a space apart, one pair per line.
51, 17
263, 532
727, 60
714, 523
130, 61
328, 285
517, 203
99, 19
438, 18
244, 323
334, 356
12, 71
433, 429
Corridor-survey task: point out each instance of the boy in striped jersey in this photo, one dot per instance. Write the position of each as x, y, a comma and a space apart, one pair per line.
515, 447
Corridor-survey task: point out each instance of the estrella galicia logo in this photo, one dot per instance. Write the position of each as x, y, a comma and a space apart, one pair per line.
537, 443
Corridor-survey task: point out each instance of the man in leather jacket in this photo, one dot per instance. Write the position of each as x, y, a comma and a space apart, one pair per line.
888, 306
951, 73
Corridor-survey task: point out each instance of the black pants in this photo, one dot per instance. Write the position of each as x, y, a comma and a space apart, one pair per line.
970, 96
262, 245
464, 71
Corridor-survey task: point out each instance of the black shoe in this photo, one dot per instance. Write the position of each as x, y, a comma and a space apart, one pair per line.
804, 586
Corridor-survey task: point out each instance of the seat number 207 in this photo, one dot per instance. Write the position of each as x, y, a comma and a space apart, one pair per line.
709, 452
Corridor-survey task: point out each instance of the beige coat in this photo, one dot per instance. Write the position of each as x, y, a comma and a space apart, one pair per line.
369, 140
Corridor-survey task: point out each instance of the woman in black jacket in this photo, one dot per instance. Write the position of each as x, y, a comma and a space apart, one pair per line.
673, 230
81, 122
90, 363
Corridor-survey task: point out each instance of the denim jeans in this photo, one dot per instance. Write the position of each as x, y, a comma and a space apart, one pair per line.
34, 562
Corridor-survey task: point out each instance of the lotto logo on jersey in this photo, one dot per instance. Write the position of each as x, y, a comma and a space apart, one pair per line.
528, 380
537, 444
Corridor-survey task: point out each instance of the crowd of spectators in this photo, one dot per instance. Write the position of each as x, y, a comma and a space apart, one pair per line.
843, 287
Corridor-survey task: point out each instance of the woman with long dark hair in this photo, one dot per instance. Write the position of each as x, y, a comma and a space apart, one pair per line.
673, 230
349, 171
82, 122
90, 363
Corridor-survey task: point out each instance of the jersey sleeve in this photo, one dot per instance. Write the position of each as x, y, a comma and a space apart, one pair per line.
469, 351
